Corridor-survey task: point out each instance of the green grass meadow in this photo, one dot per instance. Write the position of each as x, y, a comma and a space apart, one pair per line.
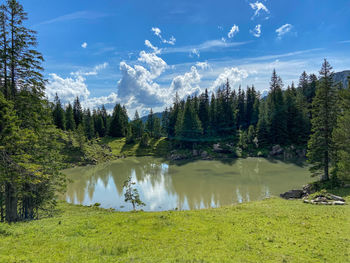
272, 230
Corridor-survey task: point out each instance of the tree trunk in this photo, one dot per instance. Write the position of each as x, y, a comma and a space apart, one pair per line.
10, 203
325, 175
1, 206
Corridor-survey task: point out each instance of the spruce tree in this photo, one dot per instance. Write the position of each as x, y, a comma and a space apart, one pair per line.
77, 112
119, 122
323, 121
341, 136
189, 128
58, 114
203, 112
70, 123
137, 126
150, 123
276, 112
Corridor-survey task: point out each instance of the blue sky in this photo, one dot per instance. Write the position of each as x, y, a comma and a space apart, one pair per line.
139, 53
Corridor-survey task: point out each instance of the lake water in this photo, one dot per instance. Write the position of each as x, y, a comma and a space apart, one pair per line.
185, 185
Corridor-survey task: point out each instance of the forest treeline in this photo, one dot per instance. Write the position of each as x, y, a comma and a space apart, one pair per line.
35, 132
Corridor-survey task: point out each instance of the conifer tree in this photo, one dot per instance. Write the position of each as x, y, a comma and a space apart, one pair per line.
150, 123
203, 112
77, 112
137, 126
88, 124
341, 136
189, 128
276, 111
119, 122
323, 121
59, 114
70, 123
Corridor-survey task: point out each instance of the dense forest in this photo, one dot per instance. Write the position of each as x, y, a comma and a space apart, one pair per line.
34, 132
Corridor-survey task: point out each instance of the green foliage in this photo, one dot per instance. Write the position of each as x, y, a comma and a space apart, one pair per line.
119, 122
70, 123
131, 194
341, 137
189, 128
324, 115
276, 112
58, 114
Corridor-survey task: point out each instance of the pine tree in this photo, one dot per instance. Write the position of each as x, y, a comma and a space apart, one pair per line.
70, 123
189, 128
262, 129
59, 114
119, 122
341, 136
24, 61
157, 129
137, 126
276, 112
88, 124
323, 121
77, 112
203, 112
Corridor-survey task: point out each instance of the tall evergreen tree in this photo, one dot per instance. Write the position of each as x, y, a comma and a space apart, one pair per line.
341, 136
137, 126
59, 114
203, 112
150, 123
70, 123
77, 112
323, 121
189, 128
119, 122
276, 112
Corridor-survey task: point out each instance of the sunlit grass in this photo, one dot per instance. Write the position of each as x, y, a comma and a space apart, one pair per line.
157, 147
272, 230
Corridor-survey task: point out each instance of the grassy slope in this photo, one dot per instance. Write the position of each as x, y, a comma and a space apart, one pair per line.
272, 230
157, 147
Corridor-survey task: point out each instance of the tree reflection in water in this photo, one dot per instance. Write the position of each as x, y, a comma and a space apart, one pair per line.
192, 185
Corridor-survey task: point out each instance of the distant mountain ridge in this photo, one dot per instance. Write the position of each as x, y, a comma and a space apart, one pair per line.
342, 77
157, 114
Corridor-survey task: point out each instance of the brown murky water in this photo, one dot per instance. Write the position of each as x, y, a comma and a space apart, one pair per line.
192, 185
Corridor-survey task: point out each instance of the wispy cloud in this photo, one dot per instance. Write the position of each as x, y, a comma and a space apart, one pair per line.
158, 32
234, 30
84, 45
344, 42
283, 30
74, 16
210, 45
258, 7
256, 31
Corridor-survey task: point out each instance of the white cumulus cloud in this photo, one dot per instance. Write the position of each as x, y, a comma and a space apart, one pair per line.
256, 31
234, 75
234, 30
149, 44
187, 84
84, 45
258, 7
66, 88
285, 29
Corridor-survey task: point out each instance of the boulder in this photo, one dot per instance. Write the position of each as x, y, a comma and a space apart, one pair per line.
195, 153
276, 150
216, 147
338, 203
204, 154
293, 194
